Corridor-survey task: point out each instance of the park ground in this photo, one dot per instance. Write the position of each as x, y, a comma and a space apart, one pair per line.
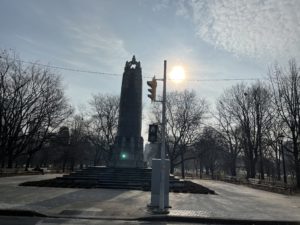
67, 205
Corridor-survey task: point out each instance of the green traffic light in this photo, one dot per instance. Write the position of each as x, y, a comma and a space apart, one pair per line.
123, 156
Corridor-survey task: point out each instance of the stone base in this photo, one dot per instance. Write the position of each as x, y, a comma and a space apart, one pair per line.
127, 153
127, 164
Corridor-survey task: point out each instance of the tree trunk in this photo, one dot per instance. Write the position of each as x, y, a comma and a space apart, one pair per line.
182, 166
10, 163
206, 170
10, 160
247, 170
212, 170
259, 145
28, 160
64, 165
3, 162
298, 173
261, 164
72, 166
196, 167
296, 159
277, 159
233, 167
252, 169
171, 167
201, 169
297, 169
252, 163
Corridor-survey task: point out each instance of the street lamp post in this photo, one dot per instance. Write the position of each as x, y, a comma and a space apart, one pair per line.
281, 136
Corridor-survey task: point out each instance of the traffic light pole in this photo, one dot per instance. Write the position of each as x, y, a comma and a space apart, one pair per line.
162, 202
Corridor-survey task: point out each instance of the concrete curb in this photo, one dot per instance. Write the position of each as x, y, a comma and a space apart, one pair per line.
20, 212
152, 218
167, 218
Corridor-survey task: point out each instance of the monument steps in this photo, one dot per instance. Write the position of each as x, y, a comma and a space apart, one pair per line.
105, 177
116, 178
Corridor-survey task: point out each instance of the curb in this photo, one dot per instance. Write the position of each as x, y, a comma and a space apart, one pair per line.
222, 221
154, 218
20, 212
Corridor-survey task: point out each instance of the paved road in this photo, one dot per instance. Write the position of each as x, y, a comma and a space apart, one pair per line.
237, 201
231, 202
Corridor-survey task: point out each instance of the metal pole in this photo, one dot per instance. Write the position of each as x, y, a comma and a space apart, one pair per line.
163, 144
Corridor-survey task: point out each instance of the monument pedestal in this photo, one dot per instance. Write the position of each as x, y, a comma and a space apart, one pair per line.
129, 164
128, 153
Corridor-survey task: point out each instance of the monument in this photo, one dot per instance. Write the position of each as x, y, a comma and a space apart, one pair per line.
126, 169
128, 147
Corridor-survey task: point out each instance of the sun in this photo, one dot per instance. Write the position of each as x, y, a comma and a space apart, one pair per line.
177, 74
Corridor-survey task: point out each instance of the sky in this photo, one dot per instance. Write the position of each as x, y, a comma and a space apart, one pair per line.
211, 39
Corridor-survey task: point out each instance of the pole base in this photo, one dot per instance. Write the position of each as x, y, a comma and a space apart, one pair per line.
157, 210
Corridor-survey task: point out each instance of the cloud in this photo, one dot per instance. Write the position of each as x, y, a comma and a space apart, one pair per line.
160, 5
255, 28
96, 43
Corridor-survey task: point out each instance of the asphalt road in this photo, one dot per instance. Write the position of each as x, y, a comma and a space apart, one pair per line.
232, 202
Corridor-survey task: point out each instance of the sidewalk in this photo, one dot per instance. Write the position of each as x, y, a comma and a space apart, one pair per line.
231, 202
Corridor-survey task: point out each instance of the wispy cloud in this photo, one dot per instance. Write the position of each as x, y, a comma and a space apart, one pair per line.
159, 5
255, 28
97, 43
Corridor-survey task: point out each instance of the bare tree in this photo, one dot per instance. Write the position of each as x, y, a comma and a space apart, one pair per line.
263, 113
62, 143
286, 89
184, 116
230, 130
32, 103
79, 141
273, 142
244, 118
211, 145
103, 124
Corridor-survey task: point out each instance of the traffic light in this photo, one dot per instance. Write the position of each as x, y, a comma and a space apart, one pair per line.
152, 90
123, 155
152, 134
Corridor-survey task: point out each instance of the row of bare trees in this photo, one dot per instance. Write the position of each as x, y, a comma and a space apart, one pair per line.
254, 118
84, 139
32, 105
244, 118
247, 128
185, 114
38, 126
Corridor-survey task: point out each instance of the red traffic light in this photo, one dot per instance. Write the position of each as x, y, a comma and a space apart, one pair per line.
152, 84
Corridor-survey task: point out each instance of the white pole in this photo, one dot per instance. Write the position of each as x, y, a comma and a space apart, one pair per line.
162, 202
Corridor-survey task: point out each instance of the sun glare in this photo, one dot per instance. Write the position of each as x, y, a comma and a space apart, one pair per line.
177, 74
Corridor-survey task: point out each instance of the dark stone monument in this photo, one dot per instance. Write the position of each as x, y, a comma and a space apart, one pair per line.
128, 147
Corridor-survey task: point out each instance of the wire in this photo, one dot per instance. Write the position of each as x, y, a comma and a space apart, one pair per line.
119, 75
224, 79
71, 69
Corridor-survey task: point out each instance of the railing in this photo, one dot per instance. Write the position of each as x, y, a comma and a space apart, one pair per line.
6, 172
278, 187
